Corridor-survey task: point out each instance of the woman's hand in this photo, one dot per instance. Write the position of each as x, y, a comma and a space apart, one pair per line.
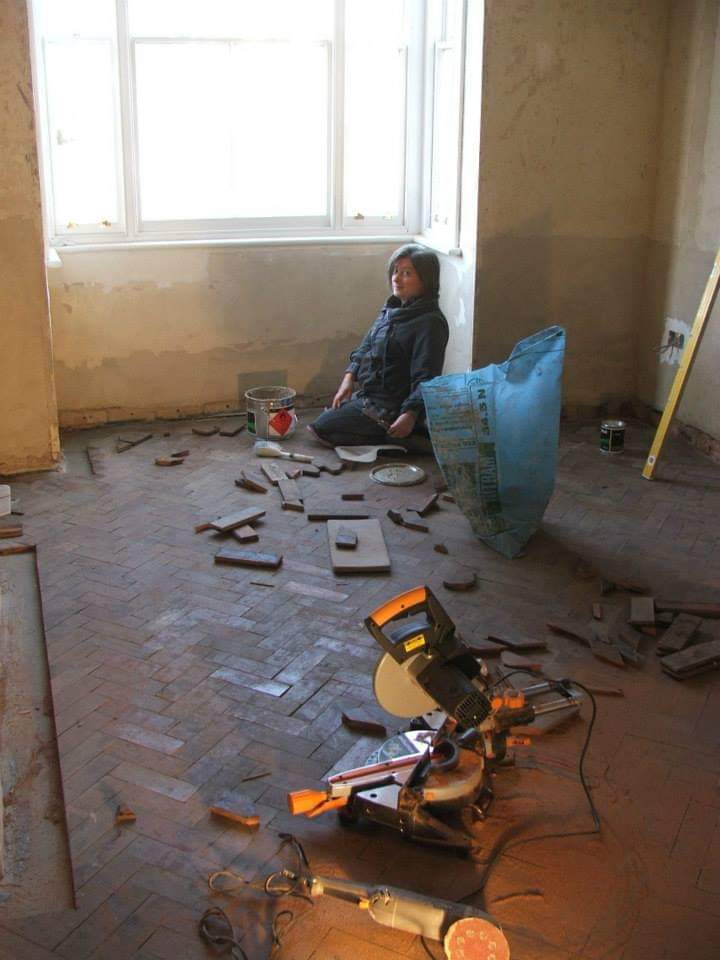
403, 426
344, 391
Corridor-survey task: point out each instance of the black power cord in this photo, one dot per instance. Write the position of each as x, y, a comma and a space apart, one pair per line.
503, 849
216, 928
562, 687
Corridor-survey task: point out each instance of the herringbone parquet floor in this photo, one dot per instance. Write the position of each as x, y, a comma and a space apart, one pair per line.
174, 679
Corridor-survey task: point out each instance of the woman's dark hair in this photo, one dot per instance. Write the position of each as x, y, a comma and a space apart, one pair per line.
425, 262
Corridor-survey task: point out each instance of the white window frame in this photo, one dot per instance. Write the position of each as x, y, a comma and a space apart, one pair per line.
414, 219
445, 234
218, 228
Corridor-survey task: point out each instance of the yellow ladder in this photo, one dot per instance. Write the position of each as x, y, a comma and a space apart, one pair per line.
691, 347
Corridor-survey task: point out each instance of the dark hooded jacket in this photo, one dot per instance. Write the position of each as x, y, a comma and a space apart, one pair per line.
404, 346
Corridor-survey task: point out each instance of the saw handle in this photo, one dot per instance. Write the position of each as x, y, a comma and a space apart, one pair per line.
404, 603
313, 802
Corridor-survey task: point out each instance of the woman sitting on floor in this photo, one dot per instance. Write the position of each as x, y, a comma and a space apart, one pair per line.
379, 397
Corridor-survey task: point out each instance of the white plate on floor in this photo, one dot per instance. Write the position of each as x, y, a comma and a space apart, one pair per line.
398, 474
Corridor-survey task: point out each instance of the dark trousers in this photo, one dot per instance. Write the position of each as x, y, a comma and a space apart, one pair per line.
350, 426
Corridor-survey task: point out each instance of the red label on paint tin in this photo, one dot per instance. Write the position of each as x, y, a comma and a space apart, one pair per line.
281, 422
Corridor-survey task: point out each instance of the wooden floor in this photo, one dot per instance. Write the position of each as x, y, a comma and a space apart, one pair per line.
175, 678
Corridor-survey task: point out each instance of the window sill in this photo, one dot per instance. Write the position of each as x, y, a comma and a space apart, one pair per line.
443, 248
52, 260
329, 240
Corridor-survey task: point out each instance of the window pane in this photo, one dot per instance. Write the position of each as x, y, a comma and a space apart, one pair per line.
82, 125
232, 130
445, 146
247, 19
453, 21
81, 18
375, 109
183, 132
279, 119
370, 22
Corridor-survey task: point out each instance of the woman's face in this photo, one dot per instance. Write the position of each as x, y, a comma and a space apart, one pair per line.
406, 283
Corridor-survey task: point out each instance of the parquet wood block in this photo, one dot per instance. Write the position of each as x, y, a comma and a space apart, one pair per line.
679, 634
249, 482
239, 519
248, 558
232, 429
346, 539
245, 534
129, 440
319, 513
642, 611
427, 506
10, 531
291, 495
273, 471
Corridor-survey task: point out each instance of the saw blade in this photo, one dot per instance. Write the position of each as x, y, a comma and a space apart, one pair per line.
397, 690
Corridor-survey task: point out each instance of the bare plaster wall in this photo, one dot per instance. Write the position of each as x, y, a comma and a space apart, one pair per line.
168, 331
686, 231
571, 112
28, 414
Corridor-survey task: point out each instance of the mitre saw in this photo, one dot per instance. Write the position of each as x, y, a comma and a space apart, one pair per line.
432, 782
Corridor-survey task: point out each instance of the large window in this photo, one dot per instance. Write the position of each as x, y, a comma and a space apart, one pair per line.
182, 119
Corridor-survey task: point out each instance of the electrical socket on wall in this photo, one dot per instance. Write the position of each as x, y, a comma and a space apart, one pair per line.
675, 336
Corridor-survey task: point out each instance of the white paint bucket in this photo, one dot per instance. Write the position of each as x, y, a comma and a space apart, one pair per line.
271, 412
5, 501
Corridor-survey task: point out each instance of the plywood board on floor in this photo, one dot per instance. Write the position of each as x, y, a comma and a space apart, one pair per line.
369, 556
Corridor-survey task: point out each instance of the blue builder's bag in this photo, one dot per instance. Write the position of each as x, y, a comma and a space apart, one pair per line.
495, 435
